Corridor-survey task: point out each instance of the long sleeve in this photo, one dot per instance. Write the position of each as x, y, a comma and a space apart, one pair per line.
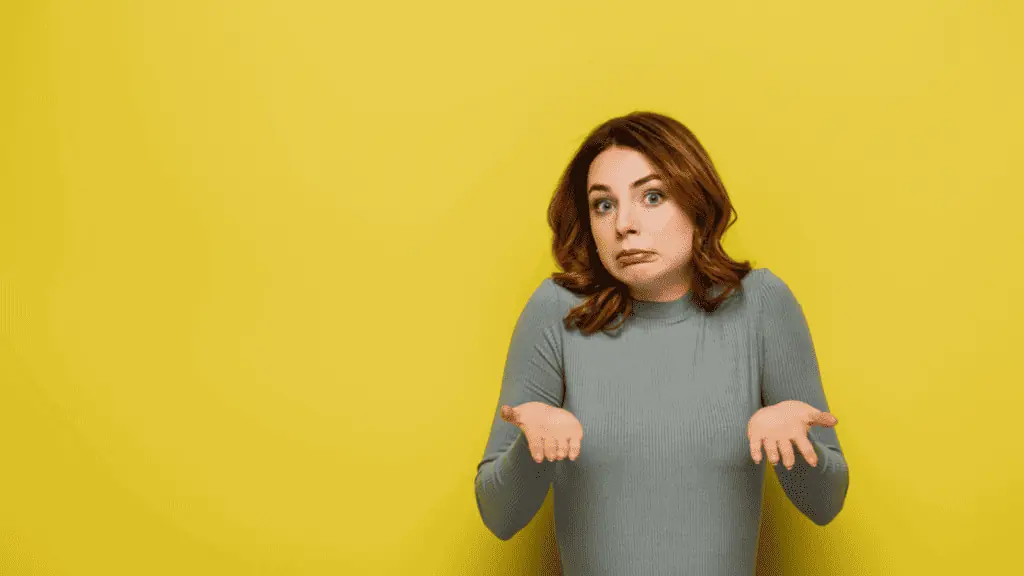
510, 486
789, 371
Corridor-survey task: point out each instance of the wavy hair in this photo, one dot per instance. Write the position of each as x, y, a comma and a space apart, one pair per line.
691, 180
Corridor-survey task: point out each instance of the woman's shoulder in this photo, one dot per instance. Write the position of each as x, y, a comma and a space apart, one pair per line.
767, 291
554, 294
753, 287
759, 279
546, 307
549, 301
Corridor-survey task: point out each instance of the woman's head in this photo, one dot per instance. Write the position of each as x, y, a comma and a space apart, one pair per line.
642, 235
640, 213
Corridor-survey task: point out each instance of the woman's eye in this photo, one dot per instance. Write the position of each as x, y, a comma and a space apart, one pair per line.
599, 204
658, 196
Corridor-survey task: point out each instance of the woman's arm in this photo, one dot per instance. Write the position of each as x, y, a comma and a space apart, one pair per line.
789, 371
510, 485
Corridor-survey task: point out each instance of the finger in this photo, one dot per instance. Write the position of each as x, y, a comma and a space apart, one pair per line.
807, 449
536, 447
755, 450
509, 414
563, 448
550, 448
771, 448
825, 419
788, 458
574, 448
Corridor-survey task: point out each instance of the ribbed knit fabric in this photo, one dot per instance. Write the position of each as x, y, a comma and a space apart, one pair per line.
664, 484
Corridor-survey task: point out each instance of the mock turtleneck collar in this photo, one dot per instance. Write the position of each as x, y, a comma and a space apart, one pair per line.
677, 309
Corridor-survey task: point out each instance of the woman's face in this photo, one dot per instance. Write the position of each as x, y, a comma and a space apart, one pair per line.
631, 211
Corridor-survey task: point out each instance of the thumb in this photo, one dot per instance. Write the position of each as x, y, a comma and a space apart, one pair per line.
509, 414
826, 419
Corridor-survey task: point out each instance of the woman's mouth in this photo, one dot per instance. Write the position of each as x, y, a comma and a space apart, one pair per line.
628, 257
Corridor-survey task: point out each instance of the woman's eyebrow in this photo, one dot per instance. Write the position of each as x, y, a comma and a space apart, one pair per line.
640, 182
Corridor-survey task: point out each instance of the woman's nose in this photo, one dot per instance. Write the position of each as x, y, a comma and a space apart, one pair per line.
624, 224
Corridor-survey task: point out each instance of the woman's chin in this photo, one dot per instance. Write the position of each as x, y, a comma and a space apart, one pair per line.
638, 274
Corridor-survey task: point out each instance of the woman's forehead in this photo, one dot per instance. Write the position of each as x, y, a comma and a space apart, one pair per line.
619, 167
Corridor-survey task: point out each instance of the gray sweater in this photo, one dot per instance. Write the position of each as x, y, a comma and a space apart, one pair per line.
664, 483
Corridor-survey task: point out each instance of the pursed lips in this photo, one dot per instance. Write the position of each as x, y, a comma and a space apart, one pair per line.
634, 256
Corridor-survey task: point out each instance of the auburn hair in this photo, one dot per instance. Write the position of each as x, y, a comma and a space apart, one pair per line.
692, 182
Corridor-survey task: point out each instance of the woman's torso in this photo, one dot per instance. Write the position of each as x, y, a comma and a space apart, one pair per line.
664, 480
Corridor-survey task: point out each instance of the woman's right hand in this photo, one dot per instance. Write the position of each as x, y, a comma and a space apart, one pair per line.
551, 432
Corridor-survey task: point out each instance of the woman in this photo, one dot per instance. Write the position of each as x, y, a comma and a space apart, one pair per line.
681, 367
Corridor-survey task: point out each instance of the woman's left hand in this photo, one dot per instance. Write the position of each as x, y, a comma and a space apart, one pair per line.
778, 426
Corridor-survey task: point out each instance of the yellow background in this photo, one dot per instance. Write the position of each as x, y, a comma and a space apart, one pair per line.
260, 261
